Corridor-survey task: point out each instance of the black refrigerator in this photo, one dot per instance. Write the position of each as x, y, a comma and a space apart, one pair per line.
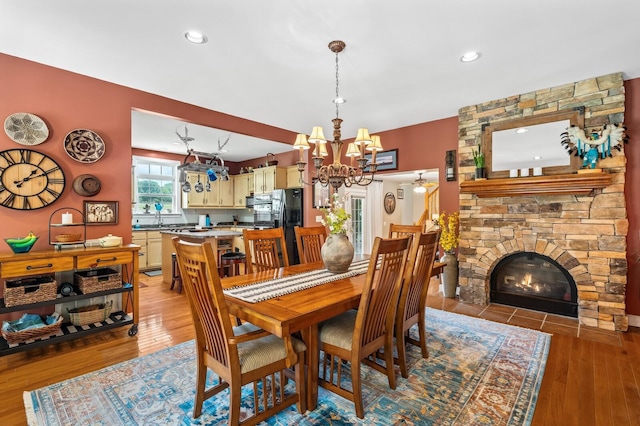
288, 211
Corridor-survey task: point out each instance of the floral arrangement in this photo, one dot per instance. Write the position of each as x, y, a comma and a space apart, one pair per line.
449, 237
336, 217
478, 157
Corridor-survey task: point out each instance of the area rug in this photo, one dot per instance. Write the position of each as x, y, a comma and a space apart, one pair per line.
153, 273
478, 373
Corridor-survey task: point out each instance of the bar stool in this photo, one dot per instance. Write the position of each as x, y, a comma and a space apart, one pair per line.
175, 273
231, 261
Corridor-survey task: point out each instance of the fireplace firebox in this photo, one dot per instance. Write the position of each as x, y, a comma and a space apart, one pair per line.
534, 281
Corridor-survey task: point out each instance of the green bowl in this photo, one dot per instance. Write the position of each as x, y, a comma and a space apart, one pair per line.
20, 247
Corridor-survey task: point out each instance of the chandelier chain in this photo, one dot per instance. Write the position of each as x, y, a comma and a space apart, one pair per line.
337, 99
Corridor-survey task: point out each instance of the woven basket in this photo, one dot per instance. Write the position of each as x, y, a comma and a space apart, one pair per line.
98, 280
67, 238
29, 290
32, 333
90, 314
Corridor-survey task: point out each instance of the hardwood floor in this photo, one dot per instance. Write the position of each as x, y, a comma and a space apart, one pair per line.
591, 378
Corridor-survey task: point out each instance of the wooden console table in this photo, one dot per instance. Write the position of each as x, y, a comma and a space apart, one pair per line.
59, 261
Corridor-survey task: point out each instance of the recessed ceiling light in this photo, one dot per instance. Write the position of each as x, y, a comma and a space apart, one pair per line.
339, 100
522, 130
195, 37
537, 157
470, 56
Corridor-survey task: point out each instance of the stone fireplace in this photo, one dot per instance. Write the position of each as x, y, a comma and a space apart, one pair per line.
578, 223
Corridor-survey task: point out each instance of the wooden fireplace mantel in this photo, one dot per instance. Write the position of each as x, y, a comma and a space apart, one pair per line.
574, 183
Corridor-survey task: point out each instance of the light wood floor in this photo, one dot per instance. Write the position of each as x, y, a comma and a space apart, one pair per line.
593, 379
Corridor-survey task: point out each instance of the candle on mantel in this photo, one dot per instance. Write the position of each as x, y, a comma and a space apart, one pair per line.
67, 218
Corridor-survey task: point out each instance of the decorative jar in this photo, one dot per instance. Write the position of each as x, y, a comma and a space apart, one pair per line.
449, 274
337, 253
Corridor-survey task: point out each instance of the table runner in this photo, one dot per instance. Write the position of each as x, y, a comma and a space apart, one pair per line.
269, 289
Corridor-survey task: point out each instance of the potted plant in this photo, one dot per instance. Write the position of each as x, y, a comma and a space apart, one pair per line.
478, 158
449, 239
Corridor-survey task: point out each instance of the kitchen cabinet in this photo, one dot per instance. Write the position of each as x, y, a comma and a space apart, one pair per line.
293, 177
193, 199
150, 253
154, 249
238, 241
243, 186
225, 192
269, 178
219, 195
59, 262
139, 238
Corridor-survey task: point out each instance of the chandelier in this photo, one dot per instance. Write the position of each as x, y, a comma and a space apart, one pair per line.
337, 174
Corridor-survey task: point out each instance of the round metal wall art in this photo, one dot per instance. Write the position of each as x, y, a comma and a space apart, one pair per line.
26, 128
84, 145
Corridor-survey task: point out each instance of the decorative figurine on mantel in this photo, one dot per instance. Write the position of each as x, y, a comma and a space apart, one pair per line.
597, 145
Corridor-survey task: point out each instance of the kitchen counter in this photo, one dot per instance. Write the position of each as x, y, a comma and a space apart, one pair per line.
186, 227
221, 241
203, 234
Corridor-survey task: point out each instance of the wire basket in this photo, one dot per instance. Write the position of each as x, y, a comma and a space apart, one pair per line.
90, 314
32, 333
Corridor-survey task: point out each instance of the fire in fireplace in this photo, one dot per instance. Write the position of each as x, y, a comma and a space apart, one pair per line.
530, 280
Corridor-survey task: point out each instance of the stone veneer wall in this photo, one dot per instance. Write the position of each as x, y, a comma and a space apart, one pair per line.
584, 234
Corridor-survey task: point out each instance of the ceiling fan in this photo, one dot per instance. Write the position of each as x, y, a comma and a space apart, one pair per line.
421, 184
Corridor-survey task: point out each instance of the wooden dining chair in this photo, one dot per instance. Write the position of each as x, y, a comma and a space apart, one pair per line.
309, 241
413, 296
397, 230
356, 334
264, 249
237, 355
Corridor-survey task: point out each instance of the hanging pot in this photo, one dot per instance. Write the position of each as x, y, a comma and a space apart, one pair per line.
449, 274
337, 253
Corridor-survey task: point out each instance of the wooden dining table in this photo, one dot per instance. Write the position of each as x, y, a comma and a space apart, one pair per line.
300, 311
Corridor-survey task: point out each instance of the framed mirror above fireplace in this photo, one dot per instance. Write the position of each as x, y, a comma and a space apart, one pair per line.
537, 144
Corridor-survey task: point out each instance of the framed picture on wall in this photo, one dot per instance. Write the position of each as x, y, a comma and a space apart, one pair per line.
387, 160
101, 212
321, 196
400, 193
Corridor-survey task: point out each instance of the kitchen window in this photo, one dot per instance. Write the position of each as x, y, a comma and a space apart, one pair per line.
155, 181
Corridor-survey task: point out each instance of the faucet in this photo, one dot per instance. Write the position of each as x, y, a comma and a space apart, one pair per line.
159, 218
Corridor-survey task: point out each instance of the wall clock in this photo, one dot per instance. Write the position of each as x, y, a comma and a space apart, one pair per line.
389, 202
29, 180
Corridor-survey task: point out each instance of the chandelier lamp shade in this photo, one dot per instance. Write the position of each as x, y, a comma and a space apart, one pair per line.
360, 170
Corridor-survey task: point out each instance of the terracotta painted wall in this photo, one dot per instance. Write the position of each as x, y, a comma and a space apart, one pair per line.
423, 146
67, 101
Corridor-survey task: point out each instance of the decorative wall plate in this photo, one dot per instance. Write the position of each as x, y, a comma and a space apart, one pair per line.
26, 129
389, 202
86, 185
84, 145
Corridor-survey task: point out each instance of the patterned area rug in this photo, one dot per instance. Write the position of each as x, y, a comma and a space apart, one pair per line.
478, 373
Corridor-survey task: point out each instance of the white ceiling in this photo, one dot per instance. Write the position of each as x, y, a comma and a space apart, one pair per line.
268, 61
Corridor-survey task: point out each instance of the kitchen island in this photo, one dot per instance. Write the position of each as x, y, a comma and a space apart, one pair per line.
220, 240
